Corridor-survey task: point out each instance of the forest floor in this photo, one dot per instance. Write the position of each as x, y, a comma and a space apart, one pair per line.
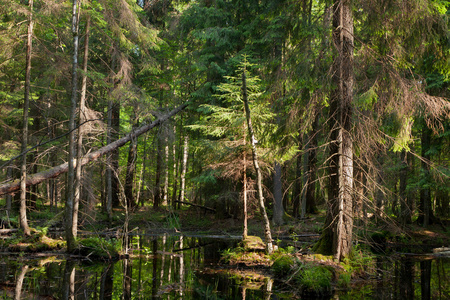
386, 236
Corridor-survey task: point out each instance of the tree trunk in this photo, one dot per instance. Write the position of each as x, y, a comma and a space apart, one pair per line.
131, 167
425, 212
405, 210
157, 193
267, 231
26, 106
278, 210
130, 174
63, 168
183, 172
19, 282
115, 181
70, 188
166, 172
82, 118
297, 184
244, 183
312, 161
175, 170
337, 232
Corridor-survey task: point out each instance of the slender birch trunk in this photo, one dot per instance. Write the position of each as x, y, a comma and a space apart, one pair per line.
267, 231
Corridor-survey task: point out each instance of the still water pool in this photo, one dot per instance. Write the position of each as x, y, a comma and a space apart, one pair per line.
183, 267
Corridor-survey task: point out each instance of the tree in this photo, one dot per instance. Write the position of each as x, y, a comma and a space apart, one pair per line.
26, 106
253, 141
338, 229
71, 228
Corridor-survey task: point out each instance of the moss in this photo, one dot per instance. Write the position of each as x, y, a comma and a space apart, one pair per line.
282, 266
253, 243
324, 245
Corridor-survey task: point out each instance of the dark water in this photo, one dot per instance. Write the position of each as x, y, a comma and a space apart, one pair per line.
176, 267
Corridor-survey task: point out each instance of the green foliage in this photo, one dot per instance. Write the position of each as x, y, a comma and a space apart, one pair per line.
283, 265
232, 254
99, 248
315, 279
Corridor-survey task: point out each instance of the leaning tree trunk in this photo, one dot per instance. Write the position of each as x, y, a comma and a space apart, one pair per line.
338, 229
267, 231
63, 168
26, 105
70, 188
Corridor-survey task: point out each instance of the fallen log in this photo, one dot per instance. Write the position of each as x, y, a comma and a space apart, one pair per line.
33, 179
196, 205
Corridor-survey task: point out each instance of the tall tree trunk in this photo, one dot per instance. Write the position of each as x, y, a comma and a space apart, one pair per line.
267, 231
338, 229
82, 118
26, 106
278, 210
70, 188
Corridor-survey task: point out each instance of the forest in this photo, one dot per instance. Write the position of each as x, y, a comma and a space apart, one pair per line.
269, 114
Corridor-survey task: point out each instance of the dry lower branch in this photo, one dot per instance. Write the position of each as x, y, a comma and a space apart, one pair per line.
196, 205
58, 170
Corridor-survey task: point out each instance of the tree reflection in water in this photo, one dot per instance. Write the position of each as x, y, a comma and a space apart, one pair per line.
175, 267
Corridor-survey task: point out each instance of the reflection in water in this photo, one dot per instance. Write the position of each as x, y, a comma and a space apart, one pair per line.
19, 283
174, 267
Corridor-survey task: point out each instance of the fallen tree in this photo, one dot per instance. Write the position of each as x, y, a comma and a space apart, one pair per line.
37, 178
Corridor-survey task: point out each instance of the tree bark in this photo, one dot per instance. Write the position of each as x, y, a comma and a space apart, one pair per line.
63, 168
131, 171
244, 183
70, 188
298, 183
425, 213
267, 231
278, 210
26, 106
157, 193
405, 210
312, 161
82, 118
183, 172
337, 233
